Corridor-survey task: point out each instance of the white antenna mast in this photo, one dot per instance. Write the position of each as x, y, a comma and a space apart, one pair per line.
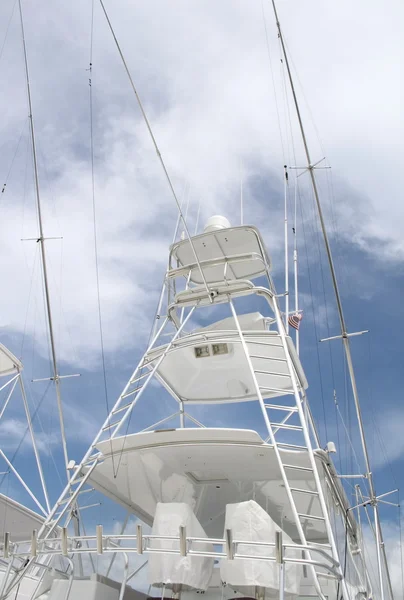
41, 240
286, 250
241, 195
295, 266
344, 334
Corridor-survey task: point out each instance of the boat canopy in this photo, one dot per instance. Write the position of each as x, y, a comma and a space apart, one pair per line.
210, 365
9, 364
207, 468
17, 519
229, 253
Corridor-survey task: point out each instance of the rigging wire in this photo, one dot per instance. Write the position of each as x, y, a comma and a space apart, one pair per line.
94, 209
273, 81
156, 147
401, 541
289, 127
12, 459
309, 277
14, 157
7, 29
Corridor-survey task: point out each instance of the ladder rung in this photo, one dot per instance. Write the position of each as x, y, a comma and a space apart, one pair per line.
294, 446
275, 373
315, 517
287, 426
284, 408
111, 425
267, 358
297, 467
284, 391
140, 377
302, 491
121, 408
86, 491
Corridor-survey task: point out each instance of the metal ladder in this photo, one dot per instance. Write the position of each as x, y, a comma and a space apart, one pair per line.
286, 469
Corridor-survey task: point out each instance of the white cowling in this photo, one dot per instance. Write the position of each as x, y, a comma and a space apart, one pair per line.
250, 523
189, 572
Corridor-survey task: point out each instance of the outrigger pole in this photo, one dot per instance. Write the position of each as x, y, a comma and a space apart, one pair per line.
344, 334
41, 241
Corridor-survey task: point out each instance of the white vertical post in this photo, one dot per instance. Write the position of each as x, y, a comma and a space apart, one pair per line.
295, 267
139, 539
34, 543
182, 420
100, 548
183, 540
279, 560
378, 542
6, 545
229, 544
241, 196
286, 250
64, 541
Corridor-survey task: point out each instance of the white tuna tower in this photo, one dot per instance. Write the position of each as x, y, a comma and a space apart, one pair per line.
237, 357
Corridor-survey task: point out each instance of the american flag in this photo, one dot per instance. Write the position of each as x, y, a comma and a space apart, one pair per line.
294, 320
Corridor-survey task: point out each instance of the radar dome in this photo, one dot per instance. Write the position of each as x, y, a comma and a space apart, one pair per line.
216, 222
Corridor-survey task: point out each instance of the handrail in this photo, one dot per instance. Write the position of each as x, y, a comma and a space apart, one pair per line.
110, 544
216, 262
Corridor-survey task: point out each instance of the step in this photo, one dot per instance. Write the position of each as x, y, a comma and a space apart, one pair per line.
302, 491
258, 356
311, 517
121, 408
275, 373
287, 426
111, 425
291, 409
298, 468
291, 446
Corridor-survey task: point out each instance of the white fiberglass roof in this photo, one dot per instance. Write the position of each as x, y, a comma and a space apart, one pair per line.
222, 373
242, 247
17, 519
207, 468
9, 364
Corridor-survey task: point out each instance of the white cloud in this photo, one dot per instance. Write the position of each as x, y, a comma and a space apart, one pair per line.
202, 71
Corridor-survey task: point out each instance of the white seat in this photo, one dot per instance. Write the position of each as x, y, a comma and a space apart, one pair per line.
173, 570
250, 523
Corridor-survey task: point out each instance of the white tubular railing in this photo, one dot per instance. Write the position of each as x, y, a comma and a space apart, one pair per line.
187, 545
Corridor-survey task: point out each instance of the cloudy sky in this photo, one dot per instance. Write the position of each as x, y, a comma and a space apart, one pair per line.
211, 80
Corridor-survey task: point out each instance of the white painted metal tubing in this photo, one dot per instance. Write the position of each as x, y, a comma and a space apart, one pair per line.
9, 394
124, 576
136, 571
139, 539
161, 421
34, 543
6, 544
63, 544
100, 548
69, 587
119, 400
20, 479
183, 541
152, 372
229, 544
306, 434
269, 426
9, 381
286, 250
41, 240
34, 446
5, 579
